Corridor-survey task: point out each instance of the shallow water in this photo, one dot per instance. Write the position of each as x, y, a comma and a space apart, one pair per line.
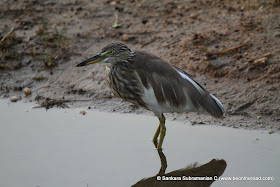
61, 147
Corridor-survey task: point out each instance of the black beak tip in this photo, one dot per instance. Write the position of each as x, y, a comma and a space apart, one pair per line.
79, 65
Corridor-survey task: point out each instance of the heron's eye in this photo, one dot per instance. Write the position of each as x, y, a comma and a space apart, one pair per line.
110, 52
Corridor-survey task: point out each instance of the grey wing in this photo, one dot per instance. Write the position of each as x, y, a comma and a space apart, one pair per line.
161, 77
174, 86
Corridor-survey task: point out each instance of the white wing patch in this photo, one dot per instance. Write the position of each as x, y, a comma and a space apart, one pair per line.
184, 76
149, 97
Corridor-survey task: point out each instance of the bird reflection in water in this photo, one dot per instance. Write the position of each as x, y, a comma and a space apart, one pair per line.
213, 169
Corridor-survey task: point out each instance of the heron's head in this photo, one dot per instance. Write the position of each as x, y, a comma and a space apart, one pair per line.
113, 53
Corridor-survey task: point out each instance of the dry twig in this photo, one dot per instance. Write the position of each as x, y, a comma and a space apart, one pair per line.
116, 23
228, 50
10, 32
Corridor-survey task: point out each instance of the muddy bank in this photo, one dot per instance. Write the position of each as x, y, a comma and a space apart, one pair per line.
231, 48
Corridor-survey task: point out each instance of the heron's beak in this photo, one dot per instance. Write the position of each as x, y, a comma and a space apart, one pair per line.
95, 59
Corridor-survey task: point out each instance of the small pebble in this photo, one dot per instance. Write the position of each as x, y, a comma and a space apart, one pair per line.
125, 37
193, 16
83, 112
270, 131
113, 3
260, 61
27, 91
14, 99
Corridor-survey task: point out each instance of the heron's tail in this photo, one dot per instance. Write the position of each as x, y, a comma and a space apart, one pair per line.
217, 107
212, 105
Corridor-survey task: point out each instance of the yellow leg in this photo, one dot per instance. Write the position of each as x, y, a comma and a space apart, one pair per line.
156, 136
162, 131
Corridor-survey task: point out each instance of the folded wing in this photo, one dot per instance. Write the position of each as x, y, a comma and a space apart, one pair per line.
173, 89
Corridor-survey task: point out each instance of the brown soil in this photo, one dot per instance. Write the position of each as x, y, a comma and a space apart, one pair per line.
230, 47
